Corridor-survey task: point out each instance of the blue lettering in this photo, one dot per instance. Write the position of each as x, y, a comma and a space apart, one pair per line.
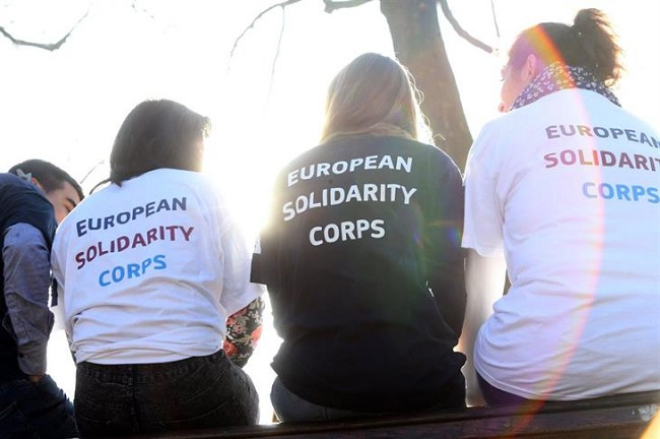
123, 217
179, 204
121, 273
606, 194
551, 132
621, 192
616, 132
150, 208
159, 261
133, 270
118, 274
145, 264
585, 190
102, 282
80, 228
137, 211
163, 206
638, 191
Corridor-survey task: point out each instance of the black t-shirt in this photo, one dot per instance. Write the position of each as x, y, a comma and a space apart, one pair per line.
20, 202
365, 273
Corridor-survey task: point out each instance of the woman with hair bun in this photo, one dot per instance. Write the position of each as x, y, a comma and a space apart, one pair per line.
362, 259
564, 188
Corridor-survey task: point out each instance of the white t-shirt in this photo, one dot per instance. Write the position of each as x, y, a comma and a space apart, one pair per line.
567, 188
148, 272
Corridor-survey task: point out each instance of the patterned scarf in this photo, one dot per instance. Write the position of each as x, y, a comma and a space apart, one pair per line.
559, 76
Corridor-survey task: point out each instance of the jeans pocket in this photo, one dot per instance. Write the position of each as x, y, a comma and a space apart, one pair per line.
230, 412
215, 394
100, 428
103, 408
14, 425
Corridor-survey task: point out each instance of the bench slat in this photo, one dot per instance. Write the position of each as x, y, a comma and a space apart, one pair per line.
617, 417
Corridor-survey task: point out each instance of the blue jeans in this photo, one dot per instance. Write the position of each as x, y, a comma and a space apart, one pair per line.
289, 407
35, 410
198, 392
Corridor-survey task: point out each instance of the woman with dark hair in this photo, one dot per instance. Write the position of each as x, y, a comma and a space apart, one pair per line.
362, 260
149, 268
564, 188
155, 135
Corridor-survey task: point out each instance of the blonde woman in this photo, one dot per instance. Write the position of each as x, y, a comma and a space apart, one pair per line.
362, 259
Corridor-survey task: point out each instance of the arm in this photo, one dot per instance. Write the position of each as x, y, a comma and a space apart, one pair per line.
244, 332
26, 260
484, 281
445, 258
484, 239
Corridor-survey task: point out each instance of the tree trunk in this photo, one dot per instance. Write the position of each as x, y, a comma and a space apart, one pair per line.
419, 46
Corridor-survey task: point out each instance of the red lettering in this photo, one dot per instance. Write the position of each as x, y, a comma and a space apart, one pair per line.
80, 259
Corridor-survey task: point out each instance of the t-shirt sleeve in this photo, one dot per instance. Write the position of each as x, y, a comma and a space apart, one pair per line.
237, 290
58, 268
484, 214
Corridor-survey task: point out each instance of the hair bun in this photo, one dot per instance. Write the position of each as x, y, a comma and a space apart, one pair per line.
585, 17
594, 33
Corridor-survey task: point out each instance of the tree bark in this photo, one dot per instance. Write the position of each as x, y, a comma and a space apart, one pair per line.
419, 46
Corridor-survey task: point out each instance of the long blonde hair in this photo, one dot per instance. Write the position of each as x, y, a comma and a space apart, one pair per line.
373, 94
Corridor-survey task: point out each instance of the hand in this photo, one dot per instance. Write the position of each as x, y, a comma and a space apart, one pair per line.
474, 397
36, 378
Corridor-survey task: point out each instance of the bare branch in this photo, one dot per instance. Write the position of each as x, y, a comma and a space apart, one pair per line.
460, 31
282, 5
51, 47
142, 9
497, 28
96, 165
333, 5
277, 56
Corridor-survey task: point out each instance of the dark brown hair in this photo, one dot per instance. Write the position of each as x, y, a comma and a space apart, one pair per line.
157, 134
49, 176
590, 43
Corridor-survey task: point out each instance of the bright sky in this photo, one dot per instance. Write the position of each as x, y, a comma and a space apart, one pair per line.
66, 106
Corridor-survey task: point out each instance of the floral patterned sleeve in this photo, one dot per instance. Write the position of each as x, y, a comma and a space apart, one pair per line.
244, 332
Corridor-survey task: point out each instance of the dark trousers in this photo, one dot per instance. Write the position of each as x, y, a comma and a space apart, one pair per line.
498, 397
198, 392
495, 396
289, 407
35, 410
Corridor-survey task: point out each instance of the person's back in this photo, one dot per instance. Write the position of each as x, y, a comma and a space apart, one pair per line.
21, 204
149, 269
582, 245
362, 262
566, 186
31, 403
355, 248
147, 266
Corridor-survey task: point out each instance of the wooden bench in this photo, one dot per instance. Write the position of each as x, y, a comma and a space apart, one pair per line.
622, 416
